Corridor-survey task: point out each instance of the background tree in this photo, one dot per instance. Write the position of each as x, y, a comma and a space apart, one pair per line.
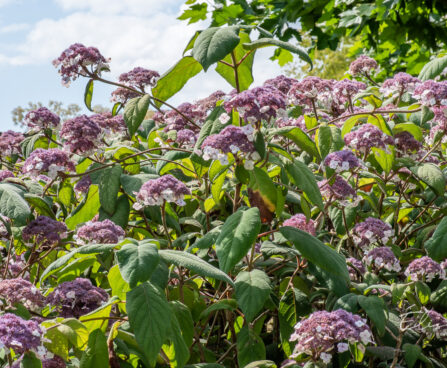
403, 35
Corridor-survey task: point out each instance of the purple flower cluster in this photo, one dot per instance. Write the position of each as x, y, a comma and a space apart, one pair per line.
431, 93
208, 103
55, 362
177, 122
300, 221
75, 60
371, 231
10, 143
366, 137
362, 65
339, 189
309, 90
19, 334
51, 161
437, 325
186, 137
400, 83
425, 269
259, 103
109, 123
166, 188
76, 298
325, 333
4, 174
292, 122
21, 291
4, 233
15, 266
81, 135
231, 139
382, 258
123, 95
341, 161
44, 232
83, 185
139, 78
346, 89
42, 118
281, 82
359, 267
100, 232
406, 143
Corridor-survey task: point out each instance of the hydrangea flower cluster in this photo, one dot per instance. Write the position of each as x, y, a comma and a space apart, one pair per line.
50, 161
44, 232
382, 258
342, 161
108, 123
55, 362
359, 267
362, 65
76, 298
437, 325
21, 291
81, 135
186, 137
259, 103
15, 266
292, 122
138, 78
42, 118
206, 104
4, 174
346, 89
300, 221
83, 185
10, 143
431, 93
309, 90
399, 84
324, 333
281, 82
406, 143
425, 269
366, 137
339, 189
74, 61
370, 231
177, 122
100, 232
231, 139
4, 233
166, 188
20, 335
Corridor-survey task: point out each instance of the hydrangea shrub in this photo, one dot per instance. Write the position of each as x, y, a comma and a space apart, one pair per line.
300, 223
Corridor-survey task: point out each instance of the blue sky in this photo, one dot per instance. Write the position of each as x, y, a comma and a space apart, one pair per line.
132, 32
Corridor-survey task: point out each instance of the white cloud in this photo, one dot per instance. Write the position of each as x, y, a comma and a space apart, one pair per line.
7, 2
134, 7
12, 28
125, 32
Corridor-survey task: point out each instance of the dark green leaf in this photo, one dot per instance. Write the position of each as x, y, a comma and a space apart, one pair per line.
109, 186
375, 309
13, 205
96, 354
431, 175
135, 111
88, 94
250, 347
433, 68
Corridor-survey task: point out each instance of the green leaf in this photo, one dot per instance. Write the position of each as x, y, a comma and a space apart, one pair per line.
40, 205
185, 320
88, 94
244, 70
316, 252
214, 43
132, 183
177, 351
304, 179
252, 290
96, 354
137, 262
30, 361
175, 78
262, 183
433, 68
150, 317
86, 210
261, 364
121, 215
422, 291
412, 354
193, 263
431, 175
225, 304
436, 246
264, 42
250, 347
384, 158
212, 125
300, 138
237, 235
195, 13
13, 205
375, 309
109, 186
135, 111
